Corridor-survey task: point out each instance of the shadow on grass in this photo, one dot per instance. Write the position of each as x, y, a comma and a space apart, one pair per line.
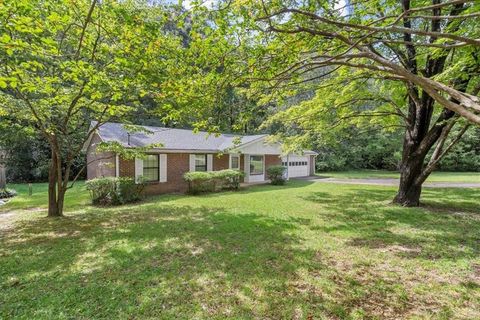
446, 227
162, 261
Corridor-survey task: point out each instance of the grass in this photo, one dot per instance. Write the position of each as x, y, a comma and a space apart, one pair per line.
381, 174
301, 251
76, 198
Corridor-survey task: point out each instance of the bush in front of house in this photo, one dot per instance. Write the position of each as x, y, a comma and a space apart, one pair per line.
114, 191
211, 181
7, 193
276, 175
229, 178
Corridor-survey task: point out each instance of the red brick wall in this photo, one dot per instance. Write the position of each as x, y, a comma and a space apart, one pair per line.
127, 167
178, 164
272, 160
221, 162
99, 164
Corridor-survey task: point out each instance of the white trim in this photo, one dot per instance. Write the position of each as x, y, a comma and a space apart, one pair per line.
250, 142
117, 165
162, 175
195, 151
138, 169
209, 162
246, 167
288, 166
256, 177
192, 162
231, 155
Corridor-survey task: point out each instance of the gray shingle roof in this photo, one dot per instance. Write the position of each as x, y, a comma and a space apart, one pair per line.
170, 138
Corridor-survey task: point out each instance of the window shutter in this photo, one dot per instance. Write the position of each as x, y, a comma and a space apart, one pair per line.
163, 168
192, 162
138, 169
209, 162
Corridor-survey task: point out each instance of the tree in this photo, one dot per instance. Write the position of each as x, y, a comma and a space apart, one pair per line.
428, 50
65, 63
3, 178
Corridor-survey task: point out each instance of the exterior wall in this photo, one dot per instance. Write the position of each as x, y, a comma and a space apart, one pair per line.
127, 167
272, 160
221, 162
177, 165
99, 164
261, 147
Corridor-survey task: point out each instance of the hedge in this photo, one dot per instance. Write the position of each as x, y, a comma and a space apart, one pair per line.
114, 191
211, 181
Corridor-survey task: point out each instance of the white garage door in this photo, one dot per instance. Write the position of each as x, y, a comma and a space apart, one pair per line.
297, 166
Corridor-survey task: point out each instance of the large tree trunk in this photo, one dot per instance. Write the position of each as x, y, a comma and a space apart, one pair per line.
409, 190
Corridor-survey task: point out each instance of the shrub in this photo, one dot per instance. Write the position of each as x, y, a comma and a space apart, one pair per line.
128, 191
199, 182
101, 190
7, 193
276, 174
212, 181
230, 178
114, 191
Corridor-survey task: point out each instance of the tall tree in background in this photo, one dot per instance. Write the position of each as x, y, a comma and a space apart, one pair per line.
426, 50
64, 63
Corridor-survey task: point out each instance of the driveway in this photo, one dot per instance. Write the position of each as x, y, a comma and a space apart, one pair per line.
390, 182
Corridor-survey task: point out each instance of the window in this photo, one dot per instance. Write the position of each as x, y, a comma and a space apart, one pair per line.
256, 165
235, 162
151, 168
200, 162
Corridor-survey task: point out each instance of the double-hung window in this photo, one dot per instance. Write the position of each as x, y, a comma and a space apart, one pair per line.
256, 165
235, 162
200, 162
151, 167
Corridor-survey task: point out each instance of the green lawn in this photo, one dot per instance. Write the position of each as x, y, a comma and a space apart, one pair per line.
435, 177
301, 251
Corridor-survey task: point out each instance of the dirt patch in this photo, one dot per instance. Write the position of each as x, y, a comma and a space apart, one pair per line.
6, 221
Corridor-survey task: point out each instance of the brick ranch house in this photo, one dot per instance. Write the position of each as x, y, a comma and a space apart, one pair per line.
183, 151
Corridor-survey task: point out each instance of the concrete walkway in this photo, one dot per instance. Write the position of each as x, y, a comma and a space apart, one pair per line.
390, 182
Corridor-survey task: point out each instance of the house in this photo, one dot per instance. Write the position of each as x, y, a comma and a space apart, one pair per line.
184, 150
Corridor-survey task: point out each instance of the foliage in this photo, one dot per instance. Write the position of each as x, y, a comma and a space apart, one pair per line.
212, 181
7, 193
276, 175
114, 191
66, 64
380, 150
28, 154
465, 156
370, 65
